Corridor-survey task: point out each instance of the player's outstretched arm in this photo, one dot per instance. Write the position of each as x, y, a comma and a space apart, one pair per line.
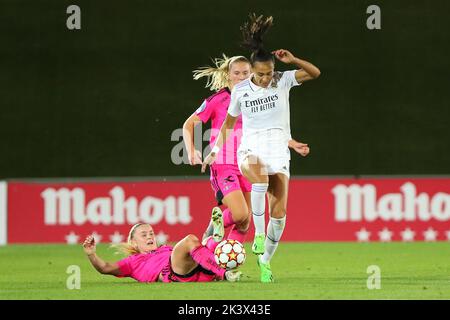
101, 266
195, 156
225, 131
307, 71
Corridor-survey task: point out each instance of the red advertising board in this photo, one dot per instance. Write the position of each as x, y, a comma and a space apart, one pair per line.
319, 209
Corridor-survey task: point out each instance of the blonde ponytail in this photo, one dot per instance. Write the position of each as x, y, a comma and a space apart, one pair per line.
217, 76
125, 249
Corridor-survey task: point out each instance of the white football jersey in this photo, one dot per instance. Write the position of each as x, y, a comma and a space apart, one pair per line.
265, 113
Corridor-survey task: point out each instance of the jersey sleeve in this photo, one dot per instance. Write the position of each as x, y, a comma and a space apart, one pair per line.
234, 108
205, 111
288, 79
125, 267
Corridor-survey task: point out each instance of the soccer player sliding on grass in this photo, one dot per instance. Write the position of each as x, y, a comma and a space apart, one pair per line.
263, 155
187, 261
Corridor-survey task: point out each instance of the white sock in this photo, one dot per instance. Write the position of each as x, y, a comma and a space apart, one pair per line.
258, 198
274, 232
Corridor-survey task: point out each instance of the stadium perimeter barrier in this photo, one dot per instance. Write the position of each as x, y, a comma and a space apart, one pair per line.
366, 209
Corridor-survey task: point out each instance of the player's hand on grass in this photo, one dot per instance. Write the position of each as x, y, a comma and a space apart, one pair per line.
89, 245
209, 160
299, 147
195, 158
284, 55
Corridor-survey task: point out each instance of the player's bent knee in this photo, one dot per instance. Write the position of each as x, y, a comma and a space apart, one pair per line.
244, 225
257, 175
254, 170
191, 241
240, 217
278, 213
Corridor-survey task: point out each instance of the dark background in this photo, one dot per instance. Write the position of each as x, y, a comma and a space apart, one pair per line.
103, 101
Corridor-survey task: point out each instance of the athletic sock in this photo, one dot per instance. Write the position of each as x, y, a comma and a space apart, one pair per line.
211, 244
236, 234
274, 232
258, 199
227, 218
205, 258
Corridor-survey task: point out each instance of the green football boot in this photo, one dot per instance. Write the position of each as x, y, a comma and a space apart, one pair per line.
266, 273
258, 246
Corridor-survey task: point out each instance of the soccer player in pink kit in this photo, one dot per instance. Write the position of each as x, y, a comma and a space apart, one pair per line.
187, 261
230, 186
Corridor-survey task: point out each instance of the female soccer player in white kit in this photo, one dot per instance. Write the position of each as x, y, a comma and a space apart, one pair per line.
263, 155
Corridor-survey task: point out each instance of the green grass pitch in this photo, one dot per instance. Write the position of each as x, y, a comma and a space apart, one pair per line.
301, 271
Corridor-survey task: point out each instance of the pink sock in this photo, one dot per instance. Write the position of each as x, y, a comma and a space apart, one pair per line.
211, 244
205, 258
227, 218
236, 234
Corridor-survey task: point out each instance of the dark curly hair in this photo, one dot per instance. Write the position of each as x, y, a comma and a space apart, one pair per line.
253, 32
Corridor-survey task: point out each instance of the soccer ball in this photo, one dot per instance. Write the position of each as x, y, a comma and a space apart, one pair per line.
230, 254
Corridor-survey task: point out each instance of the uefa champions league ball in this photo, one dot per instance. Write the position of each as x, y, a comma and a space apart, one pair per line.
230, 254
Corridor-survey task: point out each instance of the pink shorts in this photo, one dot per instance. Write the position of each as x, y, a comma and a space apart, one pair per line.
197, 275
226, 179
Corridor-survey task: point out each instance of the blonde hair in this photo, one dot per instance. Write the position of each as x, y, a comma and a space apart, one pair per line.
127, 248
218, 75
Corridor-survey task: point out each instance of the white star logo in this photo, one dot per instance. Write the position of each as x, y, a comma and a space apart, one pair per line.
116, 237
161, 238
72, 238
97, 237
408, 235
385, 235
363, 235
430, 234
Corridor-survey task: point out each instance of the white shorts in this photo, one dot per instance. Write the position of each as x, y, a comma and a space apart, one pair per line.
273, 164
